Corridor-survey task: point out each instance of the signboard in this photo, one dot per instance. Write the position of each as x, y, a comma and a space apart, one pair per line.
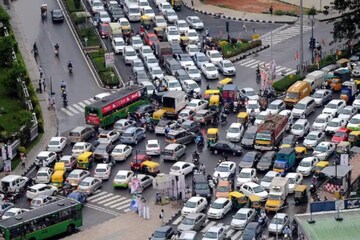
264, 78
109, 59
352, 203
121, 102
344, 159
322, 206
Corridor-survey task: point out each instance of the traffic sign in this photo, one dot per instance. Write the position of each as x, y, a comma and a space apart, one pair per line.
109, 59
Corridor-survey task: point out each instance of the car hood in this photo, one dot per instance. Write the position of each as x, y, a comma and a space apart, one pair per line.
243, 180
185, 227
238, 222
215, 211
247, 141
309, 142
233, 135
329, 111
222, 174
261, 165
273, 227
243, 164
265, 185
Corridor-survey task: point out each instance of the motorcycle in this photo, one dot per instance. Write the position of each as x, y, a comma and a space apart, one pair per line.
223, 119
196, 162
199, 141
15, 196
57, 52
235, 108
65, 103
70, 67
150, 127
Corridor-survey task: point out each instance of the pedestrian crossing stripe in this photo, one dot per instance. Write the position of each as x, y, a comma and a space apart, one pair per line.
117, 204
212, 223
81, 109
77, 108
236, 235
282, 34
115, 201
87, 102
96, 195
252, 63
67, 112
72, 109
101, 198
108, 199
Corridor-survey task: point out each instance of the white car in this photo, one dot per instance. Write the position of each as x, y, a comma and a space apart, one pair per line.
278, 223
235, 132
334, 125
324, 150
159, 21
195, 22
129, 54
44, 175
334, 107
181, 168
104, 17
191, 49
215, 233
102, 171
321, 122
185, 60
151, 61
186, 114
118, 45
124, 22
261, 117
246, 175
121, 152
242, 217
157, 2
354, 123
347, 112
12, 212
214, 56
193, 73
322, 96
144, 51
266, 180
193, 36
156, 72
219, 208
300, 128
197, 104
253, 105
194, 205
225, 170
107, 136
163, 6
153, 147
56, 144
182, 25
173, 84
100, 96
294, 180
45, 158
307, 166
191, 86
137, 65
97, 6
76, 176
171, 16
172, 34
226, 67
313, 139
81, 147
249, 93
356, 102
147, 10
276, 106
40, 189
250, 188
210, 71
123, 178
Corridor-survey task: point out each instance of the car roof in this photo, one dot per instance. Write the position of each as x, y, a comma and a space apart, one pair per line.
323, 115
56, 138
277, 101
180, 163
130, 129
247, 169
226, 163
251, 184
236, 125
301, 121
291, 174
172, 146
43, 153
102, 165
39, 185
244, 210
324, 143
123, 172
77, 171
214, 229
280, 215
336, 120
336, 101
195, 199
220, 200
152, 141
251, 153
271, 173
88, 179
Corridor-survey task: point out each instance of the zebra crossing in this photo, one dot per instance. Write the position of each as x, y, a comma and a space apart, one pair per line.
279, 35
77, 108
109, 202
253, 63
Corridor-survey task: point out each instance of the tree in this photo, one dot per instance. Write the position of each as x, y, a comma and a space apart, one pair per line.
77, 4
6, 49
347, 26
311, 11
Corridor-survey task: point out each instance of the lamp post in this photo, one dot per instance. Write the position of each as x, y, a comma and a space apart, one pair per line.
301, 38
312, 41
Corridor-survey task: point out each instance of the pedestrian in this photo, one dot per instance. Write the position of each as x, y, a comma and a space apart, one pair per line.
244, 28
207, 87
41, 72
44, 84
40, 86
23, 160
192, 2
162, 216
254, 31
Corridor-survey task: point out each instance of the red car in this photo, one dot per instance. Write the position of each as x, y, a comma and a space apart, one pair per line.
104, 30
341, 135
135, 164
150, 39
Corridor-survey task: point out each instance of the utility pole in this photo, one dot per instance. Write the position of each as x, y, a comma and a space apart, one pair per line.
301, 39
312, 41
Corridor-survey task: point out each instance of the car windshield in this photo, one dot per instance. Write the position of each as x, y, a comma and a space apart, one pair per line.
124, 23
298, 127
211, 68
160, 20
292, 180
215, 55
161, 235
346, 111
157, 71
152, 60
248, 158
173, 32
73, 175
253, 106
321, 148
138, 64
192, 34
249, 135
211, 235
244, 175
97, 4
78, 147
193, 85
261, 116
100, 170
130, 53
332, 106
250, 93
192, 104
265, 159
134, 10
175, 168
182, 24
340, 134
317, 95
153, 145
42, 174
195, 20
216, 205
311, 137
202, 186
300, 106
120, 177
201, 59
223, 189
228, 64
190, 204
354, 121
292, 95
273, 107
320, 120
85, 184
101, 148
240, 216
54, 143
287, 140
119, 43
188, 221
193, 71
174, 84
9, 214
234, 130
333, 124
267, 178
258, 189
277, 221
305, 164
147, 51
222, 169
185, 58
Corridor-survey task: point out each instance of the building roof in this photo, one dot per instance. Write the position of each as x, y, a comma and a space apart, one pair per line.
339, 171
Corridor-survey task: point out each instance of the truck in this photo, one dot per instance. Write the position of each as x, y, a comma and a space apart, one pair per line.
284, 161
173, 102
315, 79
115, 30
279, 190
270, 132
348, 91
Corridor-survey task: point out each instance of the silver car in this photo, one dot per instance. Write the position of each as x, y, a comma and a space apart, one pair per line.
173, 151
137, 65
192, 221
89, 185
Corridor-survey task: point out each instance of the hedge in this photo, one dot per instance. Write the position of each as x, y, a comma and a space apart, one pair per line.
230, 50
284, 83
98, 58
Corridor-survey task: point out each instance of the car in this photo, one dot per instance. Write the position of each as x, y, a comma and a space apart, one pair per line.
78, 196
226, 68
102, 171
210, 71
235, 132
266, 161
145, 51
250, 159
108, 136
12, 212
81, 147
89, 185
307, 166
186, 114
289, 141
163, 6
129, 54
191, 49
116, 13
322, 96
133, 135
182, 75
253, 106
334, 107
160, 127
123, 124
295, 179
156, 72
44, 175
249, 93
214, 56
104, 30
225, 147
200, 59
56, 144
172, 34
124, 23
324, 150
69, 161
334, 125
143, 3
193, 36
82, 133
96, 6
171, 66
242, 217
163, 233
76, 176
193, 221
190, 86
225, 170
266, 180
248, 139
41, 201
172, 83
278, 223
180, 136
215, 232
276, 106
147, 10
45, 158
176, 49
170, 16
195, 22
321, 122
313, 138
354, 123
197, 104
141, 76
40, 189
261, 117
342, 134
246, 175
152, 147
300, 128
118, 45
182, 168
185, 60
347, 113
190, 126
173, 152
203, 116
145, 109
145, 181
194, 205
219, 208
137, 65
250, 188
123, 178
194, 73
104, 17
150, 61
151, 39
57, 15
4, 206
159, 21
182, 25
356, 102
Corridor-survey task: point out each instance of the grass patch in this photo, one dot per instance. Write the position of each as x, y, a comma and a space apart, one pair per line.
231, 50
70, 4
98, 58
284, 83
109, 80
91, 35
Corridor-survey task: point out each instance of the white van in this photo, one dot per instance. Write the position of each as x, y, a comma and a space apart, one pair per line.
12, 183
315, 79
132, 12
129, 54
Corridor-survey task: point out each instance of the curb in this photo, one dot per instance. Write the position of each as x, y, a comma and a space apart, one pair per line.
27, 170
247, 54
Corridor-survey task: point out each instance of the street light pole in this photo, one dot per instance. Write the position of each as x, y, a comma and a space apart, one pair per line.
312, 41
301, 38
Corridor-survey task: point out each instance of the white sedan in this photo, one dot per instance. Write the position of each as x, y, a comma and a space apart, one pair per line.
253, 105
294, 180
152, 147
334, 125
307, 165
246, 175
214, 56
182, 168
123, 178
226, 67
191, 85
194, 205
182, 25
347, 112
195, 22
354, 123
324, 150
191, 49
225, 170
56, 144
210, 71
242, 217
121, 152
193, 72
313, 139
197, 104
334, 107
219, 208
321, 122
249, 93
250, 188
235, 132
81, 147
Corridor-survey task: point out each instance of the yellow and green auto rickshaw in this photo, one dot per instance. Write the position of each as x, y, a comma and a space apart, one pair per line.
210, 92
176, 5
146, 21
354, 138
150, 168
212, 135
184, 41
319, 166
223, 82
300, 194
85, 160
157, 115
300, 152
160, 33
126, 31
343, 147
58, 177
243, 118
238, 199
255, 203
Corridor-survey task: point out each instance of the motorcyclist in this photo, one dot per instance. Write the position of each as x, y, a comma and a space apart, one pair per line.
63, 84
223, 117
287, 232
57, 47
70, 66
195, 155
143, 121
147, 118
202, 168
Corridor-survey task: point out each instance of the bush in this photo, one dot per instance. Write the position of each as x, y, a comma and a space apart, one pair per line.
4, 17
231, 50
78, 19
71, 6
284, 83
288, 13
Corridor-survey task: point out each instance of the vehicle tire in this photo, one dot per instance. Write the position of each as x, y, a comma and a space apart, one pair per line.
70, 229
54, 193
216, 152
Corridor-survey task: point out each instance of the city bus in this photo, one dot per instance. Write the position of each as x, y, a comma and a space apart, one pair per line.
109, 109
62, 216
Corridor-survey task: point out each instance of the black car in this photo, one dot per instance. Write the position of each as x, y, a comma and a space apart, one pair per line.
253, 231
147, 108
57, 15
250, 159
176, 49
102, 151
266, 161
289, 140
171, 66
116, 14
163, 233
225, 147
200, 186
190, 126
182, 75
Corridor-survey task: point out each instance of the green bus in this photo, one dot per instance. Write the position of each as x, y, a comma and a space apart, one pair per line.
108, 110
62, 216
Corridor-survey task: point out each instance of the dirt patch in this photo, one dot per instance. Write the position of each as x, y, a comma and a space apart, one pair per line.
254, 6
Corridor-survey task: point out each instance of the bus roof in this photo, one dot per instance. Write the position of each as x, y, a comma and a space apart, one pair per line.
38, 212
116, 96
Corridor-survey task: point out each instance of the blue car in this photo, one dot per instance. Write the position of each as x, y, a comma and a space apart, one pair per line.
133, 135
199, 59
78, 196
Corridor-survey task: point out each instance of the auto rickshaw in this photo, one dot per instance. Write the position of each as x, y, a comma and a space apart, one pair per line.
126, 31
184, 41
230, 93
150, 167
58, 177
300, 195
335, 84
343, 62
223, 82
243, 118
212, 135
85, 160
238, 199
300, 152
210, 92
176, 4
343, 147
354, 138
319, 166
157, 115
159, 32
146, 21
255, 203
138, 159
43, 10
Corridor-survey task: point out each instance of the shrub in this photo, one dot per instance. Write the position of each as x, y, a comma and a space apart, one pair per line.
284, 83
231, 50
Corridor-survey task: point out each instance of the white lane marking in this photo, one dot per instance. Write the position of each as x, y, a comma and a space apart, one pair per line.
72, 109
103, 197
92, 100
120, 203
102, 209
96, 195
81, 109
127, 210
82, 104
278, 70
220, 224
125, 204
67, 112
115, 201
236, 235
87, 102
178, 220
251, 63
108, 199
291, 72
228, 233
255, 64
212, 223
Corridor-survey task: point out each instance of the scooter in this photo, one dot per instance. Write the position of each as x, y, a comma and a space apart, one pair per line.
65, 103
56, 52
70, 67
223, 119
150, 127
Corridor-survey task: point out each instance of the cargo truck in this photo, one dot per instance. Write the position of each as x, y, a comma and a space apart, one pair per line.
285, 160
173, 102
115, 30
279, 190
348, 91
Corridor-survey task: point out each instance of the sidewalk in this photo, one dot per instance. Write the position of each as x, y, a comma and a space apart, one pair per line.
128, 226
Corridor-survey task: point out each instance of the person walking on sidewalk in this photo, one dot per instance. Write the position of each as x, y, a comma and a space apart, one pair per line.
23, 160
162, 216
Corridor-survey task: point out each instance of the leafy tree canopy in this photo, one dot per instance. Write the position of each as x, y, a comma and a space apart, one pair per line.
348, 26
